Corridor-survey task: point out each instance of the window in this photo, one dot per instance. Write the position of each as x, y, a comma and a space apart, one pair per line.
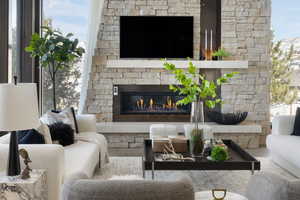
66, 16
12, 40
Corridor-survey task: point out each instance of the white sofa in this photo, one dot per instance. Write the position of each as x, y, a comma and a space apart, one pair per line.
283, 146
88, 151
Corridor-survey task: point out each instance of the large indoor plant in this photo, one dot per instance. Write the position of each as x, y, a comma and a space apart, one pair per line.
56, 52
198, 91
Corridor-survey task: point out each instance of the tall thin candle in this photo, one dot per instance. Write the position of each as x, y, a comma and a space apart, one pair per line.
205, 39
211, 40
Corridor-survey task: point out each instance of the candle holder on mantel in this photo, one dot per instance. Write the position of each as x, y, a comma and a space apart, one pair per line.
208, 52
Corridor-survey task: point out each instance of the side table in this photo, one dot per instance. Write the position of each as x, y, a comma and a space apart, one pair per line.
207, 195
34, 188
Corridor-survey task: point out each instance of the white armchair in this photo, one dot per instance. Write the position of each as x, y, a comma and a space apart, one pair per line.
56, 158
283, 146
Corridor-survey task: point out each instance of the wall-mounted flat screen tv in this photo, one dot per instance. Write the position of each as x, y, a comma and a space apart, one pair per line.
156, 37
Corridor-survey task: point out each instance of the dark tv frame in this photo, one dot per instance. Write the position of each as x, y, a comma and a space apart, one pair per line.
153, 58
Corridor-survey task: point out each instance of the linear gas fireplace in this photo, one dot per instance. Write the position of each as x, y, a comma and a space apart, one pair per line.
148, 103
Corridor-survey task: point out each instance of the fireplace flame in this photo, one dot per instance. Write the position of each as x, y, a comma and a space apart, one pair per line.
151, 104
168, 105
142, 103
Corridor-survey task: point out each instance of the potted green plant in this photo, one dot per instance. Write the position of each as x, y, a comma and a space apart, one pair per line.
198, 91
56, 52
220, 54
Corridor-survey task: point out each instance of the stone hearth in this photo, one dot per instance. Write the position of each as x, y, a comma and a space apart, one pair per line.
245, 34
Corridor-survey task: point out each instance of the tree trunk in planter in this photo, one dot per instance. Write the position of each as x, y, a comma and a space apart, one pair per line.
54, 93
53, 77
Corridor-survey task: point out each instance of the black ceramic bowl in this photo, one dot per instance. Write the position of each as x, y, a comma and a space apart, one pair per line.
227, 118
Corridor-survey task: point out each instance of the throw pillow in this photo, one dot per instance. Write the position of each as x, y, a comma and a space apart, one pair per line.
65, 116
296, 131
63, 133
30, 137
44, 130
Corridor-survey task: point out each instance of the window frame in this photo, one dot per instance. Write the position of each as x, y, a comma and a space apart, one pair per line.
4, 21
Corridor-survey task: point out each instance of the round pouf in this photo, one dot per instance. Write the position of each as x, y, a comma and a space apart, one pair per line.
207, 195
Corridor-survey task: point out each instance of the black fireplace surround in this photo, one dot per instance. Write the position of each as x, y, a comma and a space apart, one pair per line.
148, 103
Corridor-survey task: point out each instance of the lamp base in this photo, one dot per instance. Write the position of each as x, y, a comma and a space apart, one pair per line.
13, 164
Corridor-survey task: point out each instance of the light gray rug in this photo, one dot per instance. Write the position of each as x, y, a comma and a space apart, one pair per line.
234, 181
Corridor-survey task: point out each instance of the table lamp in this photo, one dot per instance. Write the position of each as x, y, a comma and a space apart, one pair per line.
18, 111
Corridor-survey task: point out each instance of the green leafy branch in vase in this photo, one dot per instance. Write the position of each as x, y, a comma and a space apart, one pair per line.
195, 87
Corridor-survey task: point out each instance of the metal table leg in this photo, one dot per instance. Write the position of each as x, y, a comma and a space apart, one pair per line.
153, 170
143, 167
252, 168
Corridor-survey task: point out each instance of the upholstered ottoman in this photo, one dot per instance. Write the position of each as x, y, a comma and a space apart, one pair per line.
162, 130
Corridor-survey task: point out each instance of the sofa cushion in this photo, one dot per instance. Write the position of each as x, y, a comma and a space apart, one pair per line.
296, 130
30, 137
81, 157
285, 146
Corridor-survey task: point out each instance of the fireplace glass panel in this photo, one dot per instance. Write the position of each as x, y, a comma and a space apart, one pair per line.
152, 103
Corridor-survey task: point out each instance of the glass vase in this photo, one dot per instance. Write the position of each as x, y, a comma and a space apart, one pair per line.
196, 134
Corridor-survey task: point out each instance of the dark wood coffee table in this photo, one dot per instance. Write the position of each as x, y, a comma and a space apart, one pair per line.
239, 160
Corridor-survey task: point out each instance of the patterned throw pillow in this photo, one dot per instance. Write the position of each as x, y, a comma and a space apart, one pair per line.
66, 116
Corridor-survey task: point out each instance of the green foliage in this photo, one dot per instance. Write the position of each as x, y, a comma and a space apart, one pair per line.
219, 153
195, 87
221, 53
53, 47
281, 90
55, 51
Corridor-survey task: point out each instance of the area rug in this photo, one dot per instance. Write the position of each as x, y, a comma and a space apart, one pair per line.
234, 181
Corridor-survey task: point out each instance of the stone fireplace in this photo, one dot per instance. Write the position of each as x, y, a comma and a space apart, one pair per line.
242, 28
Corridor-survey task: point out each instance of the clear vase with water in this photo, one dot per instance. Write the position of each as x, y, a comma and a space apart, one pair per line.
196, 135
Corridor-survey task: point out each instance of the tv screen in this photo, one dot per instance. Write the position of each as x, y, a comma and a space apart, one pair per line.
156, 37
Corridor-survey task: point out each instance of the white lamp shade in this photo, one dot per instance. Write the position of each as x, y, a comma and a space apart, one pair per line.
18, 107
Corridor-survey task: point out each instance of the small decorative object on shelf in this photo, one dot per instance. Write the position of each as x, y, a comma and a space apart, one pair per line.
227, 118
216, 192
32, 188
25, 174
220, 54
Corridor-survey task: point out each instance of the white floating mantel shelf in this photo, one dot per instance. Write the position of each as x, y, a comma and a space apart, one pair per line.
158, 64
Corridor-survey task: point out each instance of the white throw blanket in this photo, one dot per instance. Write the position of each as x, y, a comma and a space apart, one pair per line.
98, 139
